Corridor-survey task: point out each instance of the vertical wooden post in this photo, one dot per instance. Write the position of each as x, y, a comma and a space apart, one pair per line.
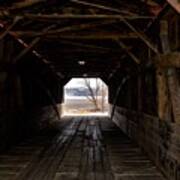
129, 93
164, 111
164, 36
139, 81
168, 86
174, 89
163, 104
19, 93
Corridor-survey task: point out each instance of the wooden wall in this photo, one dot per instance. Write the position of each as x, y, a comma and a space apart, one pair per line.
159, 139
147, 110
25, 106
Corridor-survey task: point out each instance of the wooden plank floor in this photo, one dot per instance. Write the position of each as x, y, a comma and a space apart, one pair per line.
86, 148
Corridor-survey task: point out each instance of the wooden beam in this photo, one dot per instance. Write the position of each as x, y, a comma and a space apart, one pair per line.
142, 36
60, 17
25, 45
174, 90
6, 31
31, 45
164, 105
117, 94
167, 79
169, 60
122, 18
139, 91
170, 72
50, 96
129, 53
88, 68
114, 72
94, 35
87, 46
99, 6
175, 4
65, 29
25, 4
164, 36
78, 51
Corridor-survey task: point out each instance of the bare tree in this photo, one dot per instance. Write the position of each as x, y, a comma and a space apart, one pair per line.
93, 91
103, 96
97, 93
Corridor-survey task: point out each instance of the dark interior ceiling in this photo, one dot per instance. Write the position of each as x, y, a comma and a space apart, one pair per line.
103, 34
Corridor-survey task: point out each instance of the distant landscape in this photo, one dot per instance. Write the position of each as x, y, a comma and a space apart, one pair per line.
79, 92
78, 103
86, 98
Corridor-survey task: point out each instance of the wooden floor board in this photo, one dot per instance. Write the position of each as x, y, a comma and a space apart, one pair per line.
85, 148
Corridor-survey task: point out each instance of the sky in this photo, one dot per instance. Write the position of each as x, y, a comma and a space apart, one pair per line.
79, 82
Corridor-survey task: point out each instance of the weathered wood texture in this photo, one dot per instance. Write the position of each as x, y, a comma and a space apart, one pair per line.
164, 105
11, 122
169, 60
159, 139
175, 4
18, 121
84, 148
18, 125
174, 88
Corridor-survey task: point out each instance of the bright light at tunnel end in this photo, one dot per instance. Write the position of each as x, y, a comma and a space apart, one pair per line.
85, 97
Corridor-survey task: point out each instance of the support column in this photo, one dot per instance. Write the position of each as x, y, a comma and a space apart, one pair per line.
140, 93
167, 81
164, 110
174, 89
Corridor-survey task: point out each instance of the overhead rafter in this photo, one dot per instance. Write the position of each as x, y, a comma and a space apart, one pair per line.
90, 35
25, 45
142, 36
78, 27
59, 17
99, 6
86, 49
25, 4
87, 46
86, 31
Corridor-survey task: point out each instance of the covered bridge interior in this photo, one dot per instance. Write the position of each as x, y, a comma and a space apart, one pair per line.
133, 46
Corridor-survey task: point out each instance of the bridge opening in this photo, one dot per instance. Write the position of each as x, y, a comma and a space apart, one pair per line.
85, 96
